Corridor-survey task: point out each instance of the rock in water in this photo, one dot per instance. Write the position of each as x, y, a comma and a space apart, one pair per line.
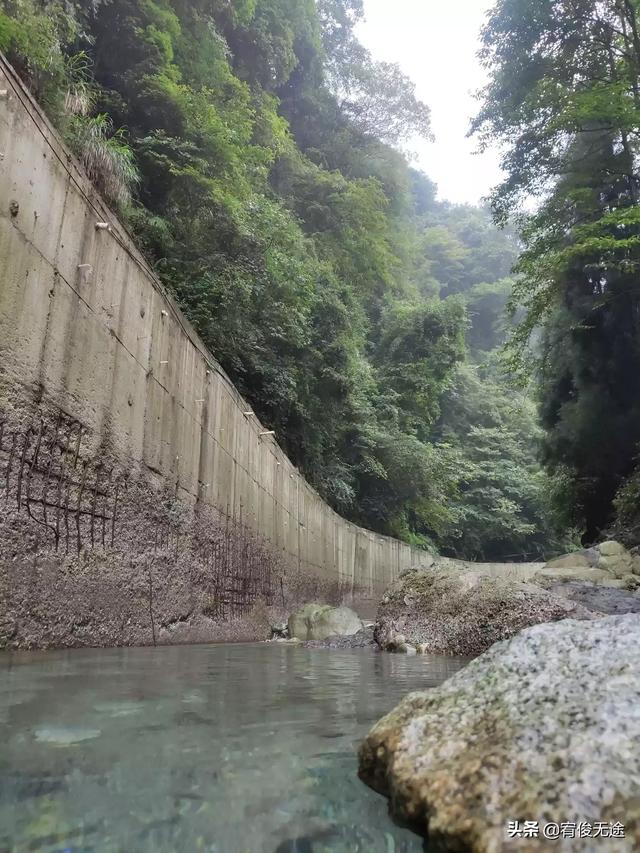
544, 727
362, 640
319, 621
280, 632
445, 612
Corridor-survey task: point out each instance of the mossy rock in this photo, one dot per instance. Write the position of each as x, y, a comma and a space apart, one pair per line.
320, 621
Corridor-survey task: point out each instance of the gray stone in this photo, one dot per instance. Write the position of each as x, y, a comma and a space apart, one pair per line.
363, 639
548, 575
573, 560
615, 583
298, 622
446, 612
610, 556
618, 565
396, 643
544, 727
600, 598
626, 581
320, 621
592, 555
611, 548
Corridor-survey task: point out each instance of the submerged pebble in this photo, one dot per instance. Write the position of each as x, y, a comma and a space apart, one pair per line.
65, 736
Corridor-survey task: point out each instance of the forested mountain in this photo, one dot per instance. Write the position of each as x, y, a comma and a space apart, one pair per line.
564, 99
254, 148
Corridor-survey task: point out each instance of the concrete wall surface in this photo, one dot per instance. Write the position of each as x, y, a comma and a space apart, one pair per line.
137, 496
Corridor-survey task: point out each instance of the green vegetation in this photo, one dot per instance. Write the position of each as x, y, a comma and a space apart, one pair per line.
564, 99
254, 149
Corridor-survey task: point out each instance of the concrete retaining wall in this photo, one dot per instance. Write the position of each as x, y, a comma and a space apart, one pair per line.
122, 436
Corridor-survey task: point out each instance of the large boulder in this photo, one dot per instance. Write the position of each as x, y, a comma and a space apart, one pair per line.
548, 576
611, 548
602, 598
619, 563
544, 727
610, 559
319, 621
447, 612
576, 559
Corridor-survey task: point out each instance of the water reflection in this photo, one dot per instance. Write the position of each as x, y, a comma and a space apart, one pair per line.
223, 749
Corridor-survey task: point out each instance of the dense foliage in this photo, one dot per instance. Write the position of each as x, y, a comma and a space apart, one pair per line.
564, 99
253, 147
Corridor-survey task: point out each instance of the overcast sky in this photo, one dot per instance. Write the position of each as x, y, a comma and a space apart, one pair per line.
435, 43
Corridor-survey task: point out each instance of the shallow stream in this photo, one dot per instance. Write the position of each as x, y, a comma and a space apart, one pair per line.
221, 748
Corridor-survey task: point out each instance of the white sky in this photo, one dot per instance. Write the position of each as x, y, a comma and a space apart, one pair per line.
435, 43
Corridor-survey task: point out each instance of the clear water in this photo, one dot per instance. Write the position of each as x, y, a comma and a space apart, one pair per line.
223, 749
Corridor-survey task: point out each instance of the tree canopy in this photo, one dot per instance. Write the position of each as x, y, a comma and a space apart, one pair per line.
563, 98
252, 146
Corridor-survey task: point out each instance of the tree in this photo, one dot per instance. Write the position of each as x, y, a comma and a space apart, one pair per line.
563, 100
500, 507
250, 148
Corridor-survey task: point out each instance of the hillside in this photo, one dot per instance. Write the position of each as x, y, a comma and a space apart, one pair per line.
257, 153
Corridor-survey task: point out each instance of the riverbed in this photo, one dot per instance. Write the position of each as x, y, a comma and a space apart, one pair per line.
221, 748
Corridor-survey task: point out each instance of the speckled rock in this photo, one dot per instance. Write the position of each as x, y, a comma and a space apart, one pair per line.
445, 612
543, 727
320, 621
